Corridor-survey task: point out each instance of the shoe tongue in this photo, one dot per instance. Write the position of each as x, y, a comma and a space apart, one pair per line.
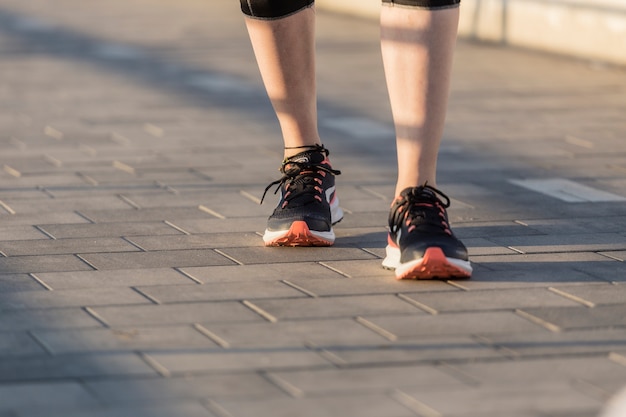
308, 157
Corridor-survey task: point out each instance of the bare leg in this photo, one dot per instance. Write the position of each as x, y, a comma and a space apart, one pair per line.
417, 47
285, 52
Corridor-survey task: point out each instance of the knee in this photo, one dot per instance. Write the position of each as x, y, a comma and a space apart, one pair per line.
273, 9
425, 4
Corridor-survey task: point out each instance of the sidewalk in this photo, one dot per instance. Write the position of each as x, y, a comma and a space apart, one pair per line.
135, 142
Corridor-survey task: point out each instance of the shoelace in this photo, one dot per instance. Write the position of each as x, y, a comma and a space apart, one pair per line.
419, 208
301, 178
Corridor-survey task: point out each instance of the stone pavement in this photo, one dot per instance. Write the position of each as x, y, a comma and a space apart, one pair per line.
135, 143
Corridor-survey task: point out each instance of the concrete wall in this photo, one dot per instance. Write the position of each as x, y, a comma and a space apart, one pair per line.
589, 29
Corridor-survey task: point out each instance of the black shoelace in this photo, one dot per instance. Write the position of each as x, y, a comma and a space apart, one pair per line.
420, 208
303, 180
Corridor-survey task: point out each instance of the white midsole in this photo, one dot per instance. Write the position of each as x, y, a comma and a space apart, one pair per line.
270, 236
392, 261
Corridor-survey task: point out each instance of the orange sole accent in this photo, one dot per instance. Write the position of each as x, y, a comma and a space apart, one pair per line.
434, 265
299, 235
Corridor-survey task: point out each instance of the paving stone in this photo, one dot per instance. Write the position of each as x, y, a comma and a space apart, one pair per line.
319, 333
564, 243
573, 225
19, 344
331, 307
112, 278
539, 261
569, 342
179, 409
65, 231
432, 349
466, 323
122, 339
257, 273
579, 372
368, 285
66, 246
480, 246
612, 271
549, 276
361, 268
111, 202
44, 263
160, 259
264, 255
42, 395
23, 232
163, 315
17, 320
221, 291
582, 317
361, 405
597, 294
484, 300
240, 385
475, 402
71, 298
618, 255
74, 366
213, 240
144, 215
242, 224
368, 379
30, 219
240, 360
18, 282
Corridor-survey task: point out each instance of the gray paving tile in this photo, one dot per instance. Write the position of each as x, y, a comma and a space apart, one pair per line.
163, 315
71, 298
368, 379
212, 225
256, 273
597, 371
562, 343
485, 300
144, 215
263, 255
112, 278
597, 294
18, 282
241, 385
23, 232
538, 261
121, 339
19, 344
331, 307
321, 333
481, 246
573, 225
66, 246
582, 317
361, 405
368, 285
546, 276
618, 255
466, 323
109, 202
564, 243
44, 263
179, 409
221, 291
160, 259
427, 349
612, 271
474, 402
44, 395
74, 366
65, 231
241, 360
18, 320
212, 240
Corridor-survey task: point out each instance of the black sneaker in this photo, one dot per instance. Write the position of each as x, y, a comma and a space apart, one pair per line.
421, 244
308, 206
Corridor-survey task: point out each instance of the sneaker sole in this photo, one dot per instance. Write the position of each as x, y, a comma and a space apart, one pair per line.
434, 265
298, 234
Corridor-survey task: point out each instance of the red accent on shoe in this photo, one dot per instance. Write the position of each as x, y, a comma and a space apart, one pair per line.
299, 235
434, 264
